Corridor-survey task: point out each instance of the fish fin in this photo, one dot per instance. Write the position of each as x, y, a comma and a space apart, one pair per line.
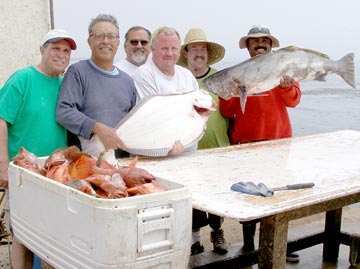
134, 162
293, 48
347, 69
320, 77
150, 152
243, 98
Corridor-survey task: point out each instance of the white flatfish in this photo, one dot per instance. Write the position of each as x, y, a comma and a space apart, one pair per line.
156, 122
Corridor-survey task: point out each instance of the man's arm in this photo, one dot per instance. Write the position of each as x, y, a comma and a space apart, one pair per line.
69, 105
290, 91
4, 159
229, 107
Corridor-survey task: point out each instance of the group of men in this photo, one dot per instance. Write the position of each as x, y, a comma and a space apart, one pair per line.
95, 94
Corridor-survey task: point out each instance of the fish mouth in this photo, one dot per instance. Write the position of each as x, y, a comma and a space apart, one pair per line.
203, 110
203, 103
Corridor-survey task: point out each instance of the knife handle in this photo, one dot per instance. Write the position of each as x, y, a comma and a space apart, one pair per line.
300, 186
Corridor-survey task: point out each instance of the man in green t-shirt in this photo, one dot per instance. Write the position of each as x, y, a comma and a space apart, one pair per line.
197, 54
27, 115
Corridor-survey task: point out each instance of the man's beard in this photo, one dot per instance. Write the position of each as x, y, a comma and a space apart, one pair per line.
139, 59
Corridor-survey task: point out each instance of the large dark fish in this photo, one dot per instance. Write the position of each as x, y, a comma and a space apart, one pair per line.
263, 72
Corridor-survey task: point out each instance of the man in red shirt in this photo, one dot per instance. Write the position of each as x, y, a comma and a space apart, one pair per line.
266, 115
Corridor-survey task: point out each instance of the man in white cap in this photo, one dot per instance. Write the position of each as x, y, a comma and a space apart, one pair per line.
266, 115
197, 54
27, 116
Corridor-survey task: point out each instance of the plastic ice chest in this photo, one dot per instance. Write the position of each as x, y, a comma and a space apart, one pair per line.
70, 229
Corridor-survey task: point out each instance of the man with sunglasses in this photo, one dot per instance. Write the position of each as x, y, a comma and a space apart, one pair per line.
95, 95
266, 115
137, 49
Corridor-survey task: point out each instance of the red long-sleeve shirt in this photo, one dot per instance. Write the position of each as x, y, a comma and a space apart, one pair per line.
265, 117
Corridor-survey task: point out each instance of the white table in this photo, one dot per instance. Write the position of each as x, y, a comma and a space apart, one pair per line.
330, 160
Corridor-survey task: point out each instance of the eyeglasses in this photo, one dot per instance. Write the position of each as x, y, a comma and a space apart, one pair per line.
135, 42
259, 29
101, 36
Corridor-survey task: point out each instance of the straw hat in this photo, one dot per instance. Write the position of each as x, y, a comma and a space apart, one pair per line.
258, 31
215, 53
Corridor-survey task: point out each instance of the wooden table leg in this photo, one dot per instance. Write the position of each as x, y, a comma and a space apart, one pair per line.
332, 235
273, 242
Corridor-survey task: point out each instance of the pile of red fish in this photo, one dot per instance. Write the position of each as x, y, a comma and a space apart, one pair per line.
90, 175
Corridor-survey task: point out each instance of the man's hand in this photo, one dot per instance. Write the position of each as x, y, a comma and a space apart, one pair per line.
286, 82
108, 136
4, 165
176, 149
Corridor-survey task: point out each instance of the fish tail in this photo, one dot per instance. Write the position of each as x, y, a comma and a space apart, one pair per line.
346, 70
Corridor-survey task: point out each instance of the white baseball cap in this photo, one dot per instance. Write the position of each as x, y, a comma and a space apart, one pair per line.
56, 35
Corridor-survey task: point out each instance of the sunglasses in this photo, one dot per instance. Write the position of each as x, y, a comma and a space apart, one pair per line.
135, 42
258, 29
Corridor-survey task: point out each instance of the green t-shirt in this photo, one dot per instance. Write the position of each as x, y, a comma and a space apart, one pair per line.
217, 125
28, 103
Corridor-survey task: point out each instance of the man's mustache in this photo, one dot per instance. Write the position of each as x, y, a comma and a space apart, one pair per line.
199, 57
139, 49
260, 47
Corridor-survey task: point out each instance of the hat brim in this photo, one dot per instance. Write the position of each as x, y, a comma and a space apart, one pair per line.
242, 43
215, 54
68, 39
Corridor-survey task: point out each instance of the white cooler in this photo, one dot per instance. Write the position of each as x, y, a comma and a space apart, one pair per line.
70, 229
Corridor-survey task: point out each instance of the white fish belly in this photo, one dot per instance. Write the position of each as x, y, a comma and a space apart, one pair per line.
157, 123
154, 125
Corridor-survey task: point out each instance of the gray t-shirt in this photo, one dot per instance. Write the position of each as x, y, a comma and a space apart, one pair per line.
88, 95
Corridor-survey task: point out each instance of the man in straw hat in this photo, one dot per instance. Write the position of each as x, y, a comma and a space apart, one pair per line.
197, 54
266, 116
27, 117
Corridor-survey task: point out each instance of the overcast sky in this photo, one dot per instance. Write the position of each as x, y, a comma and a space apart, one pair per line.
331, 27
